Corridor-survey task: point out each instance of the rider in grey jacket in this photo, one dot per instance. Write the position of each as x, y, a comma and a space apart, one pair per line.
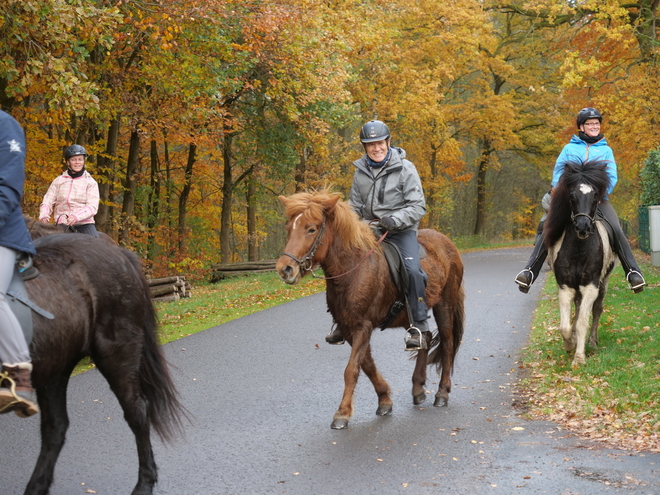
387, 188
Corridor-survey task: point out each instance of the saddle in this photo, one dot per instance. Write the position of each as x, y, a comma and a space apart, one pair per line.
17, 296
399, 276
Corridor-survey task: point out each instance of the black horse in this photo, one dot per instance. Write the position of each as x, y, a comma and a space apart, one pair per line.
103, 309
579, 252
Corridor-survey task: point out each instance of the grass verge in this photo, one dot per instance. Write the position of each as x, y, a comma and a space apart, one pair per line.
615, 397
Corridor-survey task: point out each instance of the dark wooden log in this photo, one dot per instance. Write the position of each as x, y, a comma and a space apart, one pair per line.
163, 289
170, 298
164, 280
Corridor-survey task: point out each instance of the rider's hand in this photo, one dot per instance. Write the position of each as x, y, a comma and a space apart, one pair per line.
388, 223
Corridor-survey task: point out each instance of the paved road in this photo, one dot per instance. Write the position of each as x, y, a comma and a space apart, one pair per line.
263, 390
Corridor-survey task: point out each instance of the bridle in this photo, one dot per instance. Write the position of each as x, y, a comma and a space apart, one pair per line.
307, 264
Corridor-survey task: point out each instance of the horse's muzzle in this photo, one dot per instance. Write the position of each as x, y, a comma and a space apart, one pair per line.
289, 273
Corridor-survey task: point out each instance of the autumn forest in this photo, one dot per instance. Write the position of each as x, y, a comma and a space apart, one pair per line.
197, 114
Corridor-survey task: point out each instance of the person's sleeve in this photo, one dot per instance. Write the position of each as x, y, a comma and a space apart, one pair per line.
47, 204
611, 171
12, 167
414, 207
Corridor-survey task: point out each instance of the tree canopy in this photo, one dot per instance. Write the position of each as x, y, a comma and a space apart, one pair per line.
198, 113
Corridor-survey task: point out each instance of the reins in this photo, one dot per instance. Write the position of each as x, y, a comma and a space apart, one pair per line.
307, 264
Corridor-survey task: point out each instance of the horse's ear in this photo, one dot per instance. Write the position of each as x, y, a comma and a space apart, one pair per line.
284, 200
331, 202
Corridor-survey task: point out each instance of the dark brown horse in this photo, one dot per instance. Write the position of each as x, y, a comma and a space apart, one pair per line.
103, 309
38, 229
325, 231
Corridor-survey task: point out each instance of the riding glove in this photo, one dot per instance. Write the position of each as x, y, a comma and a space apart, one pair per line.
388, 223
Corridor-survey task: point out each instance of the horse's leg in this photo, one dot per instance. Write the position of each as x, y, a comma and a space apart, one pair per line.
589, 295
445, 322
419, 374
358, 338
381, 387
120, 369
566, 296
54, 424
597, 312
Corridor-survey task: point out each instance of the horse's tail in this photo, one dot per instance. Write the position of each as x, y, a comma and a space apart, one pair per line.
458, 325
164, 410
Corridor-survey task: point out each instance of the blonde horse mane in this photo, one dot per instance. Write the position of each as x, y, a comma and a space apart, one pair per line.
346, 225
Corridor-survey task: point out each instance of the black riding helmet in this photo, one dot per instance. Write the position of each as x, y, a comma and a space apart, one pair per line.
373, 131
588, 113
74, 150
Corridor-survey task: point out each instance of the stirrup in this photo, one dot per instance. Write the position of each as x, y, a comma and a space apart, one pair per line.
639, 287
524, 287
409, 337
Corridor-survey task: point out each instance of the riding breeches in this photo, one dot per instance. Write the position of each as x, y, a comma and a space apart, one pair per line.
406, 241
621, 245
13, 348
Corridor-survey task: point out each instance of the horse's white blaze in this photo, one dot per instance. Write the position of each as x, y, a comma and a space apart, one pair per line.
295, 222
586, 188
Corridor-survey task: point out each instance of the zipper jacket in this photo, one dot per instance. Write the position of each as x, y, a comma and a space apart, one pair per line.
13, 230
68, 198
394, 189
579, 151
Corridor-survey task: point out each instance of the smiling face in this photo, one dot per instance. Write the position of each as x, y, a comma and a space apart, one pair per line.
377, 150
591, 127
76, 163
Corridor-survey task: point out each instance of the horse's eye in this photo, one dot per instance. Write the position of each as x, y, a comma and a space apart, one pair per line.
311, 230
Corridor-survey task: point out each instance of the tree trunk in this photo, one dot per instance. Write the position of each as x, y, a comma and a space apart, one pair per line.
482, 167
431, 216
105, 170
301, 168
227, 192
253, 245
183, 199
128, 207
154, 198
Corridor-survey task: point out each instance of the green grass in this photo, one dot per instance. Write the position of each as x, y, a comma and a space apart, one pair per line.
616, 395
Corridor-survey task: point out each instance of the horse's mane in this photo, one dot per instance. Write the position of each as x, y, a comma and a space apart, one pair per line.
346, 225
559, 215
38, 229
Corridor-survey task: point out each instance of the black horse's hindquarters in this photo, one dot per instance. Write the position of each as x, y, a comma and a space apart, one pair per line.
102, 309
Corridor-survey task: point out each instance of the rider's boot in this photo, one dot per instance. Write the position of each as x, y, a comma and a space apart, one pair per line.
16, 392
335, 336
416, 336
530, 273
630, 267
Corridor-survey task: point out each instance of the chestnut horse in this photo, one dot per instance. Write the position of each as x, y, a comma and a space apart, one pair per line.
325, 231
579, 252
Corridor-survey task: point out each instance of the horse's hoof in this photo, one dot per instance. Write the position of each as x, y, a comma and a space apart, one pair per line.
419, 398
339, 424
384, 410
441, 402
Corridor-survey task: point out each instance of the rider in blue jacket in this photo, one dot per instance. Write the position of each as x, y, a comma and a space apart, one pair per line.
16, 393
588, 145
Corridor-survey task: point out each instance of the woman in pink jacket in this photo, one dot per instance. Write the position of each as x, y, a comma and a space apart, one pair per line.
73, 197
